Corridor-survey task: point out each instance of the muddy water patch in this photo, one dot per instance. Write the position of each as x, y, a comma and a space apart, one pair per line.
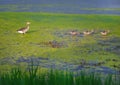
110, 41
111, 45
59, 64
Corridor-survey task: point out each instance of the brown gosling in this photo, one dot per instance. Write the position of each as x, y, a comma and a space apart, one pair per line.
24, 29
88, 32
105, 32
73, 33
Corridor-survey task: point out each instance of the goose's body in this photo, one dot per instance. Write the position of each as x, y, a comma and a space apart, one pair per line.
104, 32
24, 29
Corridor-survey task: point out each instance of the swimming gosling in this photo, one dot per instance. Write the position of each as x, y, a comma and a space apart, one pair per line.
105, 32
73, 33
88, 32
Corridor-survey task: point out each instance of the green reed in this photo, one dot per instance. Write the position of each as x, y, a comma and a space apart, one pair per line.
32, 76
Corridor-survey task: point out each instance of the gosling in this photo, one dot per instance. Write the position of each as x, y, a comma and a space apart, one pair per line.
105, 32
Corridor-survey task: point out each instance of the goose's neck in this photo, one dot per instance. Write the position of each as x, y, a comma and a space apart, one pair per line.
28, 26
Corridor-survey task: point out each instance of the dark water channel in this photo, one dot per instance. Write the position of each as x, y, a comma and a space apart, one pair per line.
62, 6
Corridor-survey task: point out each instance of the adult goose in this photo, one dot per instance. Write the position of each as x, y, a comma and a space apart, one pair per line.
24, 29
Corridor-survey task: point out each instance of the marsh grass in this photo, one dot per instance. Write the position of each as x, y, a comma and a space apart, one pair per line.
54, 77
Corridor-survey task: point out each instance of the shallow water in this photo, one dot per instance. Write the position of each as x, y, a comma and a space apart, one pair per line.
62, 6
60, 65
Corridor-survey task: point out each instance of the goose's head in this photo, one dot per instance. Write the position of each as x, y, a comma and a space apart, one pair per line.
27, 23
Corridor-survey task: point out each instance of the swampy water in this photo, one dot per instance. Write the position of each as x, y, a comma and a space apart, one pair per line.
59, 50
105, 53
62, 6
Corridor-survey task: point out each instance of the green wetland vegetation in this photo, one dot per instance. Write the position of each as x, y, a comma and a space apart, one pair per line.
49, 44
33, 76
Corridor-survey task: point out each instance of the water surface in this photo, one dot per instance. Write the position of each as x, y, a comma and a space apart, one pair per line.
62, 6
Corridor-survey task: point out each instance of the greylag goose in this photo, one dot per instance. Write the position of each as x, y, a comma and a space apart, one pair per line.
24, 29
